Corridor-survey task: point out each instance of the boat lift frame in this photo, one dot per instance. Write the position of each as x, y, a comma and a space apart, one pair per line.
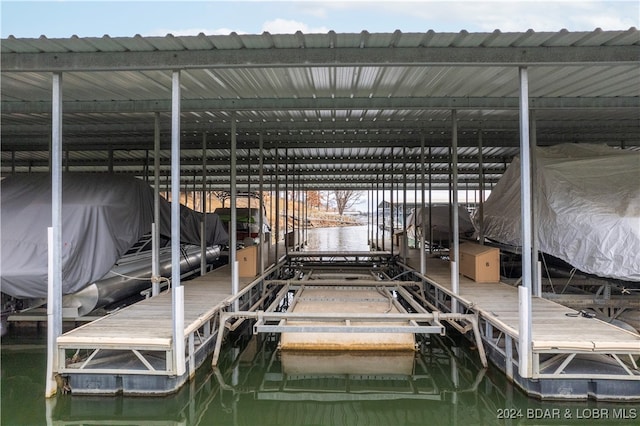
421, 321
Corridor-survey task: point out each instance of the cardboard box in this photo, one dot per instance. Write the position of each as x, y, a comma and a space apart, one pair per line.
247, 261
480, 263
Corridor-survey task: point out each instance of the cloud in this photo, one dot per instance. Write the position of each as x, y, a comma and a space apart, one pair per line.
287, 26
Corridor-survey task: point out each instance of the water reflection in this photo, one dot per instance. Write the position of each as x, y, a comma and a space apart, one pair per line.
256, 384
347, 238
277, 388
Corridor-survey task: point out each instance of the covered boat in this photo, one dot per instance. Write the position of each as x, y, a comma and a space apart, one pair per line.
247, 224
587, 207
103, 216
437, 224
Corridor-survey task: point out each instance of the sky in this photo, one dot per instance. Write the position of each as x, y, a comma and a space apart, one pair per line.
65, 18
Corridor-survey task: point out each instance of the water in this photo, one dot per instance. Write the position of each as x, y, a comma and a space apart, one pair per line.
442, 384
351, 238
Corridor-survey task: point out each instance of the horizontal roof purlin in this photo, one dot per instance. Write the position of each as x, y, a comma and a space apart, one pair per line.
339, 103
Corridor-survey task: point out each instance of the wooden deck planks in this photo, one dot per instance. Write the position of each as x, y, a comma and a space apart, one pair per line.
552, 328
148, 322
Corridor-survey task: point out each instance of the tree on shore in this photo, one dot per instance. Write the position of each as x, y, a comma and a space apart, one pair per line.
314, 199
345, 199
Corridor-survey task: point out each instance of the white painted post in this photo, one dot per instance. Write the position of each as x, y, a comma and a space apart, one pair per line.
155, 260
235, 284
179, 330
52, 350
524, 346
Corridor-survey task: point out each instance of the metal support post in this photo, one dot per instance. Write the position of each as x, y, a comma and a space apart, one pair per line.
261, 235
54, 294
155, 227
404, 247
176, 289
481, 188
203, 206
277, 200
536, 284
423, 213
455, 277
233, 223
525, 203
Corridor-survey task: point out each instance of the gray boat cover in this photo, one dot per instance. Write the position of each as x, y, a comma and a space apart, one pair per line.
587, 208
102, 217
440, 216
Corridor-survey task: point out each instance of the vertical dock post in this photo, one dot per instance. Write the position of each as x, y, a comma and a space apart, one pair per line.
261, 235
423, 213
455, 278
177, 292
536, 285
203, 206
54, 294
233, 223
155, 226
480, 188
524, 347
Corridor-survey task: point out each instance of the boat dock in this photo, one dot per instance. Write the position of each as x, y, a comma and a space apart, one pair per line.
573, 354
352, 300
131, 350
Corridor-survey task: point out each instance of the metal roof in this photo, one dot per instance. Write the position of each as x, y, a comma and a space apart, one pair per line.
343, 110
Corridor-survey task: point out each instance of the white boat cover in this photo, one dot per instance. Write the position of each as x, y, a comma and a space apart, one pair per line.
588, 208
102, 217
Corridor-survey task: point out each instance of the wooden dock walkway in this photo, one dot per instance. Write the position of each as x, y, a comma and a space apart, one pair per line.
573, 356
148, 323
131, 350
555, 326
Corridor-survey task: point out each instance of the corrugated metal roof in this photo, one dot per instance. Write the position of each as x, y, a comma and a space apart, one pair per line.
342, 106
313, 41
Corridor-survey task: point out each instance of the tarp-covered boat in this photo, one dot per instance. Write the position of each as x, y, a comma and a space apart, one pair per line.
103, 216
438, 228
587, 208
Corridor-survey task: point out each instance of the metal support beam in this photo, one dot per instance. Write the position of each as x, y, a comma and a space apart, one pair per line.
155, 227
455, 277
277, 201
261, 234
177, 292
536, 285
54, 295
233, 223
203, 207
423, 213
481, 188
525, 212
